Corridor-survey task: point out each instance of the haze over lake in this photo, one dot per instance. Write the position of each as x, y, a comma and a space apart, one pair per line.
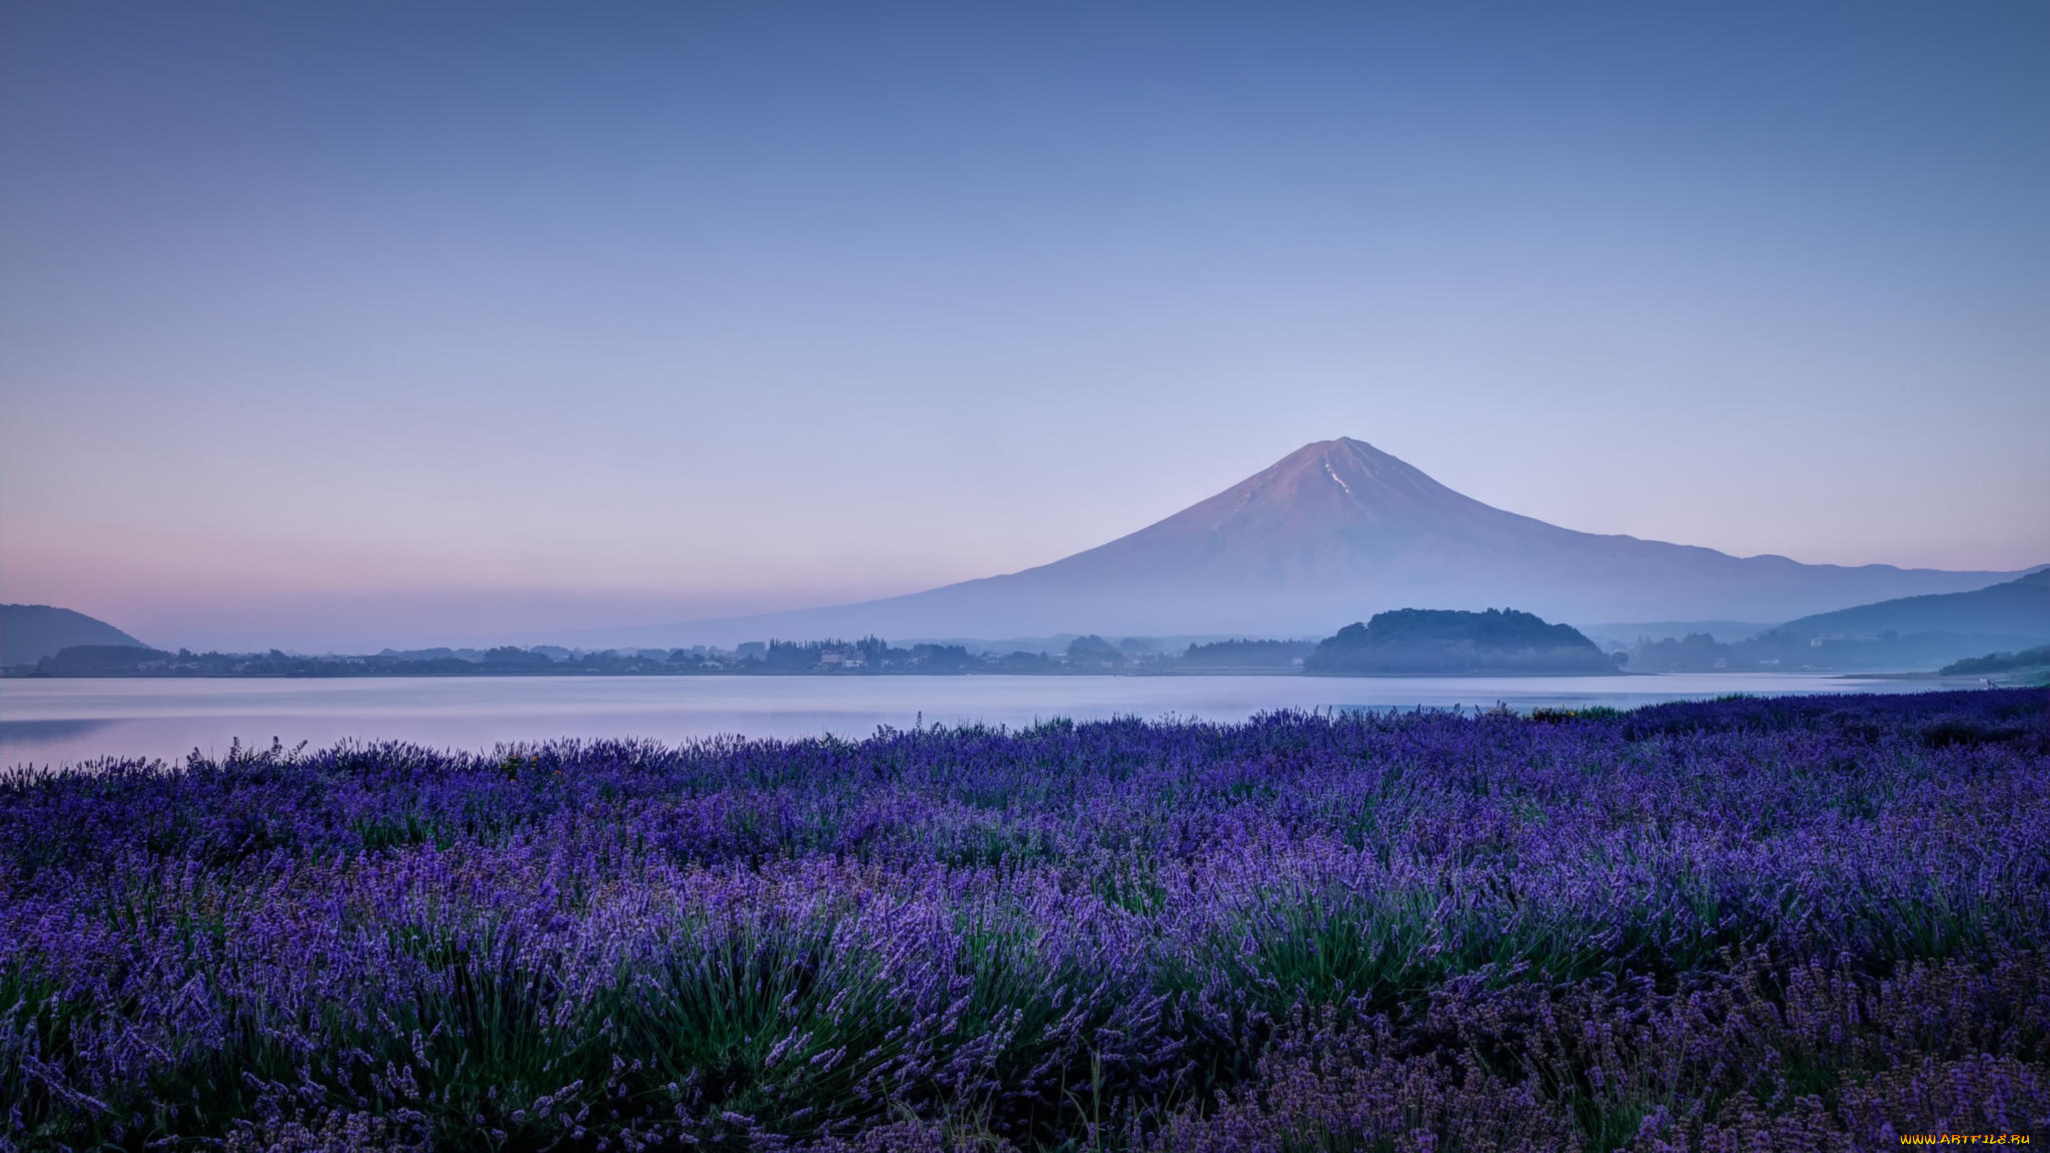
58, 722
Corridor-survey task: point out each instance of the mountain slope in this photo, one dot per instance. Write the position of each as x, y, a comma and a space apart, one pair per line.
28, 633
2018, 608
1335, 532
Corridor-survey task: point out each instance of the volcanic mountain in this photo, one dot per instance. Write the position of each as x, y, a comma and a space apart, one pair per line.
1333, 533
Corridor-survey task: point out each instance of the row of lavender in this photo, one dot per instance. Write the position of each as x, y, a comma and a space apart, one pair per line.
1815, 922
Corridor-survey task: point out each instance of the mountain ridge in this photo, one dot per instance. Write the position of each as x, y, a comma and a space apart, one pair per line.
1331, 533
2016, 608
29, 633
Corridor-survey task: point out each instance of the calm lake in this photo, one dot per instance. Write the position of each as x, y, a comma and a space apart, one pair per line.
59, 722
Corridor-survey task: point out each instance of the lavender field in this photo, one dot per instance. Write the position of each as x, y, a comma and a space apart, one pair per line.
1797, 923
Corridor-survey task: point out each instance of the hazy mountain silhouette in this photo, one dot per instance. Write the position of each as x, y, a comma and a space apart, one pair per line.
28, 633
1333, 533
2018, 608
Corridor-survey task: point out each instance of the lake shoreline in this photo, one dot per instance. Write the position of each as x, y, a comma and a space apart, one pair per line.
52, 721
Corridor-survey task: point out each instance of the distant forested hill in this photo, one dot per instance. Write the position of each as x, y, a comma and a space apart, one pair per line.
1434, 641
28, 633
2011, 608
2035, 658
1898, 635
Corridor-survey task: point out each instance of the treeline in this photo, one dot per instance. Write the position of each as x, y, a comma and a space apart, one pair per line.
1405, 642
129, 661
1248, 654
868, 656
1786, 650
2035, 658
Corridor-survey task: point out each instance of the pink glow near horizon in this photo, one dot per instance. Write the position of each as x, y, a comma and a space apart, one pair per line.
784, 308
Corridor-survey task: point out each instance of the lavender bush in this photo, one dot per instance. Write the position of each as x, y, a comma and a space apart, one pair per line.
1803, 923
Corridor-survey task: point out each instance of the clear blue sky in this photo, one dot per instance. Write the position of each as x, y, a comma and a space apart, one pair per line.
360, 323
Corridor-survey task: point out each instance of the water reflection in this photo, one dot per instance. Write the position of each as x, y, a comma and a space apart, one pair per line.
55, 722
29, 736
